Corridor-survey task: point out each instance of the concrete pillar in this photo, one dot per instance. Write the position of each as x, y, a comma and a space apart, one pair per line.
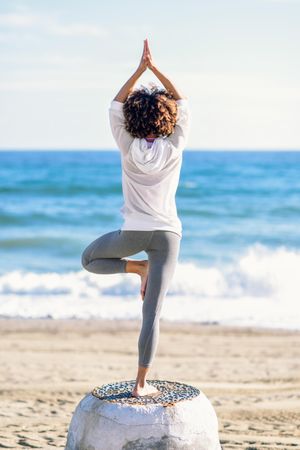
108, 418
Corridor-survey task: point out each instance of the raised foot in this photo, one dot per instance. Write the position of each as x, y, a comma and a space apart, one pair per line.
147, 389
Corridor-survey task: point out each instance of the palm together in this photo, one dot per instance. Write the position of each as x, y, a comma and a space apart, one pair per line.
146, 60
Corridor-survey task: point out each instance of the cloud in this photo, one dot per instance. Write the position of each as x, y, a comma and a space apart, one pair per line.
78, 29
7, 37
14, 20
51, 85
239, 87
284, 1
47, 60
50, 25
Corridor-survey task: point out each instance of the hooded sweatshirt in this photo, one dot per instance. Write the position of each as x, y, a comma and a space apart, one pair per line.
150, 172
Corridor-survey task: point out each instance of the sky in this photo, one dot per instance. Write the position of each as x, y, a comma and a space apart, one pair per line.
63, 61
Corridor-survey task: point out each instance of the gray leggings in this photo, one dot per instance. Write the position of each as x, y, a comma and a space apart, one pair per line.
106, 255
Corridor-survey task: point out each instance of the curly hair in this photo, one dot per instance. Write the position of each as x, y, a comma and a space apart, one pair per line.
150, 111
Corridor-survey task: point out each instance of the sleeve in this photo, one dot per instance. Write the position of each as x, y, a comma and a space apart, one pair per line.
182, 128
116, 119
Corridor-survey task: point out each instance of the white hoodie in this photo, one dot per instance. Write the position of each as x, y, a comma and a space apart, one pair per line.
150, 175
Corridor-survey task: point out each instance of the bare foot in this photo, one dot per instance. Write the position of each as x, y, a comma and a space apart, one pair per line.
144, 277
147, 389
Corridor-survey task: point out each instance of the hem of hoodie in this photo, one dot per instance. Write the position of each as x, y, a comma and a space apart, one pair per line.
139, 225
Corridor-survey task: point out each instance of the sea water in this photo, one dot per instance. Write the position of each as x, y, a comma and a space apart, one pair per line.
239, 261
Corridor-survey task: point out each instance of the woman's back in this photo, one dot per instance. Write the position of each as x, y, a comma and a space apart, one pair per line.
150, 172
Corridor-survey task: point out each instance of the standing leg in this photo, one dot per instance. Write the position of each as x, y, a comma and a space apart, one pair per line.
163, 254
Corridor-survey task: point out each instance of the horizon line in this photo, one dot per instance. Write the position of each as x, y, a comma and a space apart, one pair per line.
185, 150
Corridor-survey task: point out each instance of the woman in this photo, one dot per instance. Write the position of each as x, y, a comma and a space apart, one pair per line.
150, 128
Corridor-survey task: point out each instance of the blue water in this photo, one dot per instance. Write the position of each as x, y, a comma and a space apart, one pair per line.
239, 259
52, 204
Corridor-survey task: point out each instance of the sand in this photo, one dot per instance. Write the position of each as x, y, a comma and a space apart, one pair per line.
251, 376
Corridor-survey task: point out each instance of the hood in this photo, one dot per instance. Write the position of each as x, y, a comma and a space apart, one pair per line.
152, 159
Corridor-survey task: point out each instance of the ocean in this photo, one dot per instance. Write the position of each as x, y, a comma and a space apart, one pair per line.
239, 261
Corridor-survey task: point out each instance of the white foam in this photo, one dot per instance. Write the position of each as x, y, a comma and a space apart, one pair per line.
260, 288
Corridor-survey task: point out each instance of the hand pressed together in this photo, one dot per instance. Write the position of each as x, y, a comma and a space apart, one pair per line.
146, 59
146, 62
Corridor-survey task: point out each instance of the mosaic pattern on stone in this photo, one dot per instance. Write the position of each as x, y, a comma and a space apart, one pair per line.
171, 392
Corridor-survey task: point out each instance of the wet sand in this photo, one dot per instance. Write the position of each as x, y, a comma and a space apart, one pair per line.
251, 376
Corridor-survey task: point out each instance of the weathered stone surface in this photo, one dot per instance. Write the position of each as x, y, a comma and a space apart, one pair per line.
116, 421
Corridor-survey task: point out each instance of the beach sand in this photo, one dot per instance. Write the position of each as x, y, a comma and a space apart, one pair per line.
251, 376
